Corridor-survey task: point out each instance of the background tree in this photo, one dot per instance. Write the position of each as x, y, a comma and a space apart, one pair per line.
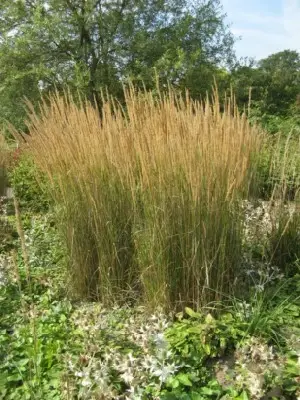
93, 44
283, 83
275, 83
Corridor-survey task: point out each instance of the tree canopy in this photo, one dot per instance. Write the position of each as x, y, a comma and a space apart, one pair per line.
274, 83
90, 45
93, 44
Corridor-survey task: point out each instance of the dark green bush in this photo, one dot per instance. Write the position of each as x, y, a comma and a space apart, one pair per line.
29, 186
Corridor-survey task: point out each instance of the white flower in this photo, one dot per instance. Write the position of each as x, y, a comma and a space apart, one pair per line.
260, 288
148, 362
131, 359
127, 377
86, 382
165, 372
160, 341
70, 365
249, 272
134, 393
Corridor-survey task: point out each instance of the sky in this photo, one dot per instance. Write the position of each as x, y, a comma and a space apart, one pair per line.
266, 26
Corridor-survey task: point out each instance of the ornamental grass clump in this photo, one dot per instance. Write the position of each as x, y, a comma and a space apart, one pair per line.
148, 194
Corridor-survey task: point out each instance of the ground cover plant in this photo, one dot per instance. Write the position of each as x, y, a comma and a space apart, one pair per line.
55, 348
150, 269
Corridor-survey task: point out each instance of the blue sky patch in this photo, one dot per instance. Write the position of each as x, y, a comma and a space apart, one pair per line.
265, 26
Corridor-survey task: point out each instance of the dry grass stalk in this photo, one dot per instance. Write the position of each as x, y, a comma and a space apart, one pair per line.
149, 194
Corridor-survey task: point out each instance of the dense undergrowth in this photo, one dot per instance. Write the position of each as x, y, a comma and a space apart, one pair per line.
54, 348
153, 256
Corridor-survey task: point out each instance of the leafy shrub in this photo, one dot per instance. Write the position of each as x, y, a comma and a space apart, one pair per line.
290, 377
33, 340
34, 328
29, 185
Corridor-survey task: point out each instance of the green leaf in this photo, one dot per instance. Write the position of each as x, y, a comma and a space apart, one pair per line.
23, 362
184, 379
63, 318
223, 343
209, 319
192, 313
196, 329
207, 348
196, 396
14, 378
242, 396
174, 383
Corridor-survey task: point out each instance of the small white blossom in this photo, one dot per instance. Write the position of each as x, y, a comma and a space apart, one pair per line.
127, 377
86, 382
260, 288
160, 341
131, 359
165, 371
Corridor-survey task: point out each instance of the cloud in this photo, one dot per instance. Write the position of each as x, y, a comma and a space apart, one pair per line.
265, 27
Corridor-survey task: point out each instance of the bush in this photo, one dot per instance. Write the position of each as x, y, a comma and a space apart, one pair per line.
29, 185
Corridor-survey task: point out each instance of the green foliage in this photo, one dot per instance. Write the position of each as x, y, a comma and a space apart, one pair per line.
195, 340
7, 233
91, 46
278, 167
275, 88
200, 337
29, 186
269, 310
31, 364
275, 124
285, 241
55, 350
34, 320
174, 222
290, 378
283, 81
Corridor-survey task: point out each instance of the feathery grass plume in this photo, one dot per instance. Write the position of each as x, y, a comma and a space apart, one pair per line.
149, 193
